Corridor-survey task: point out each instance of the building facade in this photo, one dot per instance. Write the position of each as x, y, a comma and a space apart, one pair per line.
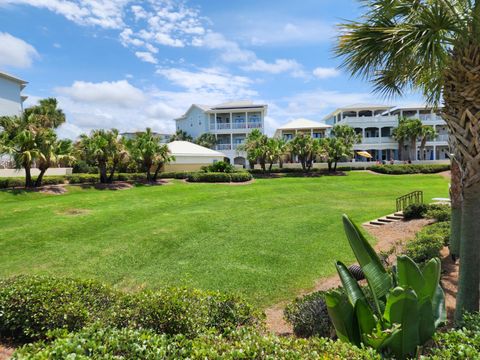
315, 129
164, 138
11, 98
376, 124
229, 122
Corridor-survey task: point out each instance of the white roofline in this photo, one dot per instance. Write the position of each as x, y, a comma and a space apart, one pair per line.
13, 78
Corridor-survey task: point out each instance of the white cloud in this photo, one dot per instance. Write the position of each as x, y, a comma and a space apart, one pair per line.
210, 79
146, 56
278, 66
230, 51
325, 72
119, 93
15, 52
103, 13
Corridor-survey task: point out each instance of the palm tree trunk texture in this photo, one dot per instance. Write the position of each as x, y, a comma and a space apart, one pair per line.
28, 176
456, 201
461, 95
39, 180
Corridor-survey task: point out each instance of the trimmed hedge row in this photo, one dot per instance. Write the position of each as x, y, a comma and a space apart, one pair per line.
410, 169
31, 306
16, 182
109, 343
212, 177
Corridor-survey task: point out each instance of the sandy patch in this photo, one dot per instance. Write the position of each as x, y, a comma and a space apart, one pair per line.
74, 212
53, 189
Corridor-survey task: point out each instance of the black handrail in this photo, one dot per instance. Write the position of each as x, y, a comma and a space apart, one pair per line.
415, 197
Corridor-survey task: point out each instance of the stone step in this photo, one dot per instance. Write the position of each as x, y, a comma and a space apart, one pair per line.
394, 217
385, 220
400, 213
375, 222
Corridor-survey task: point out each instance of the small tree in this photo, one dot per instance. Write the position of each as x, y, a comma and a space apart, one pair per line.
255, 147
149, 152
332, 151
306, 149
51, 151
427, 133
207, 140
181, 135
104, 149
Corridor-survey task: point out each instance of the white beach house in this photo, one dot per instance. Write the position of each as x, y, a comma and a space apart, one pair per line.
11, 98
302, 126
376, 123
229, 122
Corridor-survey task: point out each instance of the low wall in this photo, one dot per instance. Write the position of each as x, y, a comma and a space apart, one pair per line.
35, 172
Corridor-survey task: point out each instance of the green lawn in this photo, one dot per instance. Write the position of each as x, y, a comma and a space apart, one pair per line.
266, 240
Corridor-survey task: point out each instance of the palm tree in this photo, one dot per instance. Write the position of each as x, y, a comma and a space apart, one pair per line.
306, 149
413, 132
348, 137
45, 114
51, 151
103, 149
400, 135
427, 133
181, 135
254, 146
147, 150
432, 46
18, 140
207, 140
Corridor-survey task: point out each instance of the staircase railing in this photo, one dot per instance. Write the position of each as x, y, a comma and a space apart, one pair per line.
415, 197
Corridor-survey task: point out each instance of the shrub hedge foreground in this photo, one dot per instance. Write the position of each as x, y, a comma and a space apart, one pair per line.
410, 169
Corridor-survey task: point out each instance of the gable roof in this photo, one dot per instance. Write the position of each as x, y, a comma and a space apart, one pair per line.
186, 148
304, 124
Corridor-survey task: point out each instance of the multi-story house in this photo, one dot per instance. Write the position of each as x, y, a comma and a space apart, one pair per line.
376, 124
229, 122
164, 138
302, 126
11, 98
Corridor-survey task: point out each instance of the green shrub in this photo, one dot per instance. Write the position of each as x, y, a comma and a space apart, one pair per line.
241, 176
458, 344
130, 177
83, 179
182, 311
174, 175
53, 180
439, 212
441, 229
17, 182
220, 166
81, 167
424, 246
415, 211
308, 316
208, 177
30, 306
410, 169
108, 343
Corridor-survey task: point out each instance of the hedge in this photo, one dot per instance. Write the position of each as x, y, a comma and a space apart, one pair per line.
31, 306
212, 177
426, 245
410, 169
174, 175
16, 182
109, 343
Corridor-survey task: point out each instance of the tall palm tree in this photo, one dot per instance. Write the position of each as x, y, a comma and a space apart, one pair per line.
181, 135
18, 140
432, 46
51, 152
46, 114
427, 133
413, 131
400, 135
207, 140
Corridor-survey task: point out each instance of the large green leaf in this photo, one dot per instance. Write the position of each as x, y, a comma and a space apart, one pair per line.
426, 322
438, 305
431, 274
342, 314
380, 338
366, 320
378, 279
409, 275
352, 289
402, 309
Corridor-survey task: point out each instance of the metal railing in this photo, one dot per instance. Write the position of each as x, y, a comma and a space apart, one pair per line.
224, 147
254, 125
415, 197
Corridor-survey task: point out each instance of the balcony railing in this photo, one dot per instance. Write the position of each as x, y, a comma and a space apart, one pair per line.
442, 137
223, 126
223, 147
254, 125
239, 125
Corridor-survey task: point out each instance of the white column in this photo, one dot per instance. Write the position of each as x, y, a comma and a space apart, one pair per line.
434, 152
215, 117
246, 120
311, 133
357, 114
231, 121
231, 141
363, 134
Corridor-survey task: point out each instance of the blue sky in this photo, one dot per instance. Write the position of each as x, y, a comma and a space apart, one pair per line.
132, 64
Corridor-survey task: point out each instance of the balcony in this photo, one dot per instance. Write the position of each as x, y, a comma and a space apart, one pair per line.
239, 125
223, 126
441, 137
255, 125
223, 147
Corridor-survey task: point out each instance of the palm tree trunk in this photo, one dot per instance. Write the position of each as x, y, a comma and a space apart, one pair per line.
157, 170
462, 113
112, 172
39, 180
456, 202
103, 173
400, 150
28, 176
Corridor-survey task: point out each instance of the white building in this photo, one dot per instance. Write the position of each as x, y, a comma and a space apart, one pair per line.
164, 138
190, 156
376, 123
315, 129
229, 122
11, 98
